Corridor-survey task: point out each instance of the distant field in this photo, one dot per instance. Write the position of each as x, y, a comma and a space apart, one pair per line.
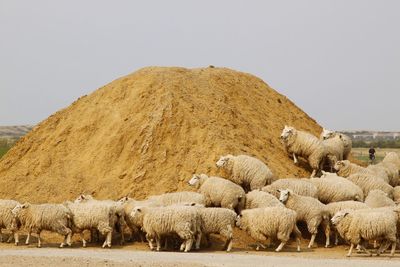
5, 145
362, 153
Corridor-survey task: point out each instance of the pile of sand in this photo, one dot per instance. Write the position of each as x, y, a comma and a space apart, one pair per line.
148, 132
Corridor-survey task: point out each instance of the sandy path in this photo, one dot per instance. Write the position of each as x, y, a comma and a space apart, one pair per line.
122, 257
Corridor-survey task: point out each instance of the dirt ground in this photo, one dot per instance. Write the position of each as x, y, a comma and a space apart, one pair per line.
139, 255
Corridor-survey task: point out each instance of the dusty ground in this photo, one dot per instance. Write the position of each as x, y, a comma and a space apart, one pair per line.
138, 255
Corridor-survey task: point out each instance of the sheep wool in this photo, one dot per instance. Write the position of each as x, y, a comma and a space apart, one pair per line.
6, 218
299, 186
261, 199
377, 199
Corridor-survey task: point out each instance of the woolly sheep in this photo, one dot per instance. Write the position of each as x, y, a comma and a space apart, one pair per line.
394, 158
303, 144
334, 147
39, 217
347, 142
161, 221
92, 215
270, 223
299, 186
261, 199
335, 207
367, 183
332, 188
248, 172
377, 199
309, 210
118, 213
219, 192
391, 171
358, 226
168, 199
345, 168
217, 221
6, 218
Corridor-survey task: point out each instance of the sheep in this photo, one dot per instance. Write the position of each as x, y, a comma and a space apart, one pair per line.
377, 199
89, 215
6, 218
217, 221
358, 226
391, 170
269, 223
367, 183
332, 188
168, 199
335, 148
128, 204
161, 221
248, 172
39, 217
219, 192
309, 210
261, 199
118, 216
335, 207
345, 168
393, 158
299, 186
396, 194
347, 142
305, 145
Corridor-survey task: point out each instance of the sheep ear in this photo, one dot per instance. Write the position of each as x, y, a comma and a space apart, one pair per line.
278, 190
345, 214
192, 204
139, 210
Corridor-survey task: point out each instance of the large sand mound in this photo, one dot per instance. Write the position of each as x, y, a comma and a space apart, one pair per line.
148, 132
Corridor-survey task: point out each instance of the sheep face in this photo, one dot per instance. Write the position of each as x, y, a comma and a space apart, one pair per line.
287, 132
123, 200
326, 134
284, 195
340, 165
339, 216
137, 215
195, 180
223, 161
82, 198
16, 210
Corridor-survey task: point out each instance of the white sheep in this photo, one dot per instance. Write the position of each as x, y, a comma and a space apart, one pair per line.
332, 188
168, 199
39, 217
261, 199
270, 223
219, 192
394, 158
92, 215
6, 218
377, 199
118, 216
308, 210
359, 226
391, 170
347, 142
217, 221
335, 207
345, 168
335, 150
248, 172
160, 222
306, 145
299, 186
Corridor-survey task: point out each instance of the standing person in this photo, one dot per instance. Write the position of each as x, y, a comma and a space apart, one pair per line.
371, 152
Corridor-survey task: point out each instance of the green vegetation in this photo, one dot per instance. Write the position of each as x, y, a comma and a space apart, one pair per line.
379, 143
5, 145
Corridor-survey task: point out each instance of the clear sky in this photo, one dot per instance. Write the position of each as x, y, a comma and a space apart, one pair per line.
338, 60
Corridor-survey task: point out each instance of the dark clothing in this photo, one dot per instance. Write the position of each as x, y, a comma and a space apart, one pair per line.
371, 152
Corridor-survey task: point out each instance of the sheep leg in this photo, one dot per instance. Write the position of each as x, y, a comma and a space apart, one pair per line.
10, 238
16, 238
336, 239
393, 249
382, 248
198, 240
312, 240
28, 237
108, 239
297, 235
183, 246
295, 159
158, 243
366, 250
350, 250
83, 239
1, 236
314, 172
327, 229
39, 240
166, 243
189, 243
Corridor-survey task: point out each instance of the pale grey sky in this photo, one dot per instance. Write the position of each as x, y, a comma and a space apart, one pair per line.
338, 60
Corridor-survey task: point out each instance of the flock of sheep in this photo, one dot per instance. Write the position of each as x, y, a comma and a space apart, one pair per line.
354, 203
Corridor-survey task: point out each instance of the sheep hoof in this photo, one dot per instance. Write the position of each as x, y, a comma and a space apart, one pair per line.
16, 243
62, 245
